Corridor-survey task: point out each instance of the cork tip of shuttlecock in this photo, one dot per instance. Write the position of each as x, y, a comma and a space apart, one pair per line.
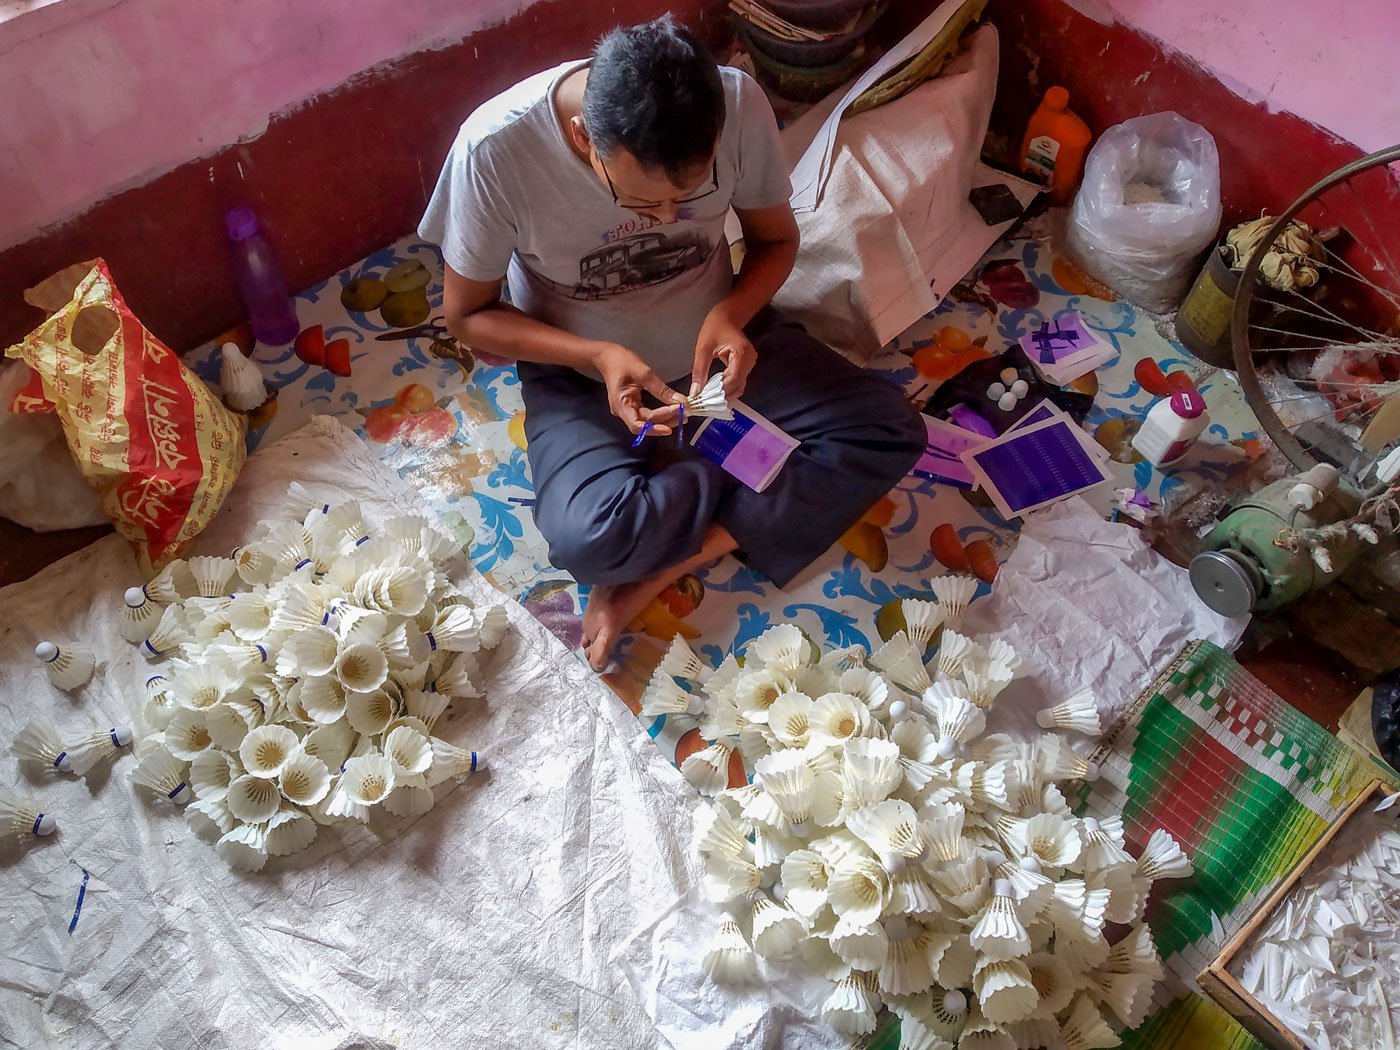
46, 651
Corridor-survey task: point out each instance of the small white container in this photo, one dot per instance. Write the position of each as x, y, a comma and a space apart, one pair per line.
1171, 428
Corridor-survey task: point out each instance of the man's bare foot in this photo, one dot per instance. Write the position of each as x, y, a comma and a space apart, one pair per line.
611, 608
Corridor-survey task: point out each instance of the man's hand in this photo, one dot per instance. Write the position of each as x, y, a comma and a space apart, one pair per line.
627, 376
722, 340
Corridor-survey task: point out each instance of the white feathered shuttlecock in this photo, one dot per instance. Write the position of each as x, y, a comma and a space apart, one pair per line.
870, 770
1079, 713
211, 772
776, 929
253, 799
1004, 990
68, 666
922, 620
39, 742
859, 890
245, 847
681, 662
172, 584
23, 819
1103, 846
212, 575
788, 779
139, 616
168, 635
288, 832
266, 750
1163, 858
663, 696
450, 761
710, 400
165, 776
902, 662
1085, 1028
954, 593
837, 719
892, 831
852, 1005
953, 651
729, 960
999, 934
783, 648
242, 381
100, 746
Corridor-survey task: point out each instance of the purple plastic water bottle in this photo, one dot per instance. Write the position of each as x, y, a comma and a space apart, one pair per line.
270, 308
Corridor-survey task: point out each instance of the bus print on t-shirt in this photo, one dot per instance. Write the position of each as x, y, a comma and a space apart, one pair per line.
638, 261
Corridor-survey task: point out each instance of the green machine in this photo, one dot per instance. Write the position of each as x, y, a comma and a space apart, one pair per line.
1278, 544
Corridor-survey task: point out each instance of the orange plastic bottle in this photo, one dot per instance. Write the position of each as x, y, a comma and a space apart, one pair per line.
1056, 141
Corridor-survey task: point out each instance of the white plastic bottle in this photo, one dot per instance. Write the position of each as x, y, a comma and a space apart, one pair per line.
1172, 427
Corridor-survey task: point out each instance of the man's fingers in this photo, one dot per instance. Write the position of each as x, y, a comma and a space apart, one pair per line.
659, 390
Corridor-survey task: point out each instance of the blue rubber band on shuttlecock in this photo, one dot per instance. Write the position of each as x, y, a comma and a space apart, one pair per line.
432, 642
154, 678
362, 539
261, 651
37, 821
58, 762
112, 732
171, 794
301, 564
78, 907
150, 648
473, 761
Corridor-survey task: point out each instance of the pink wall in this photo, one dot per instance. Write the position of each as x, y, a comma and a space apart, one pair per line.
101, 95
1331, 62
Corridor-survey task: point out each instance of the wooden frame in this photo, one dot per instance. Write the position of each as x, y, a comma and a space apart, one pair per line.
1225, 988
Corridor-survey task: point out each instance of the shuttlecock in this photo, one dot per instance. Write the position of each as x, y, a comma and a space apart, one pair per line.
97, 747
242, 381
68, 666
161, 773
1163, 858
21, 819
709, 400
1078, 713
39, 742
139, 616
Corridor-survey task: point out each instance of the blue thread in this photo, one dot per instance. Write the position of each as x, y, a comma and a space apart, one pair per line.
154, 678
112, 732
473, 761
171, 795
362, 539
58, 762
78, 908
150, 648
37, 821
325, 508
261, 651
432, 642
301, 564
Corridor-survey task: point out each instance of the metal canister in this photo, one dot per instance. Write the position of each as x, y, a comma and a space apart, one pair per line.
1203, 322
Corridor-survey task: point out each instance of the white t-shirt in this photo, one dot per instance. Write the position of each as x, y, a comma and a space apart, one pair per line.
514, 201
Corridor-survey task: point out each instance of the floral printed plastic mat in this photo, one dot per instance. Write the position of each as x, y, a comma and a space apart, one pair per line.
454, 429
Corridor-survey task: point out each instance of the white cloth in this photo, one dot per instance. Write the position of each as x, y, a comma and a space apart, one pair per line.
488, 921
514, 200
893, 229
1087, 604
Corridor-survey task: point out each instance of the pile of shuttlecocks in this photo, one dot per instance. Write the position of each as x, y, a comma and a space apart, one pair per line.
304, 677
891, 845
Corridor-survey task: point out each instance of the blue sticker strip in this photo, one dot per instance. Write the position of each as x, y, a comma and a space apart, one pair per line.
78, 908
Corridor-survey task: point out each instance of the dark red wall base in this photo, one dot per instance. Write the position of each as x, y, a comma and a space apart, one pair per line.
332, 180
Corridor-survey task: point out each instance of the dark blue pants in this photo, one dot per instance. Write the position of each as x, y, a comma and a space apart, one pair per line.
614, 514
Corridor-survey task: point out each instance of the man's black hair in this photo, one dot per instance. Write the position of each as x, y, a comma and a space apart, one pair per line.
655, 91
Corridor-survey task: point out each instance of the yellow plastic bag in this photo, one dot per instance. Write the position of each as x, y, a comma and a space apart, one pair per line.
148, 435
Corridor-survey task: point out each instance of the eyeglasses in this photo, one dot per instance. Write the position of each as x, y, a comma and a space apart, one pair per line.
643, 205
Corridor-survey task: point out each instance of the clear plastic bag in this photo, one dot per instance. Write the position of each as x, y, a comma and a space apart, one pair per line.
1148, 208
41, 487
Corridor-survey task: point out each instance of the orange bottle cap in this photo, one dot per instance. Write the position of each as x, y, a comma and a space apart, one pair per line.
1057, 98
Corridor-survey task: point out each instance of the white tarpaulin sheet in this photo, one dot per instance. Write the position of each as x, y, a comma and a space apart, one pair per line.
891, 230
1087, 604
488, 921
